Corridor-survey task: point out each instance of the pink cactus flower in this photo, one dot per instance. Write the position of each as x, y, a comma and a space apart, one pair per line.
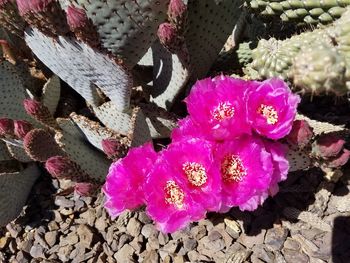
126, 178
76, 17
193, 162
186, 130
246, 170
278, 153
22, 128
217, 106
169, 202
301, 133
271, 108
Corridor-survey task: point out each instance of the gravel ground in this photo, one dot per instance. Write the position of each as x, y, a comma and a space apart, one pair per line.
308, 221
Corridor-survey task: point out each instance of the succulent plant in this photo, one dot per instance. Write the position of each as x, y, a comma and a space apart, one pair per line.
311, 12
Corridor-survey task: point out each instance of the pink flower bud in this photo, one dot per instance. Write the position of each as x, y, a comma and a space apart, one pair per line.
176, 8
25, 6
84, 189
32, 107
301, 133
4, 2
6, 127
22, 128
111, 147
341, 160
76, 17
328, 145
166, 33
58, 166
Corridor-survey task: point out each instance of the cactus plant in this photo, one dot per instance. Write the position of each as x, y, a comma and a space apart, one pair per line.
311, 12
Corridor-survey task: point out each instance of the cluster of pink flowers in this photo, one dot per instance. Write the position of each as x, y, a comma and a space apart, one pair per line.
224, 154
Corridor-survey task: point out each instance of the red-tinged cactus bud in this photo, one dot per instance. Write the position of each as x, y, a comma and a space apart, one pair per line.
341, 160
301, 133
327, 146
177, 13
46, 15
168, 36
76, 17
34, 6
6, 127
63, 167
84, 189
82, 26
22, 128
40, 112
113, 148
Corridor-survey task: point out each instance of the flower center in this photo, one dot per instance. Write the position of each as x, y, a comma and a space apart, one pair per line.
223, 111
269, 113
174, 195
232, 169
195, 173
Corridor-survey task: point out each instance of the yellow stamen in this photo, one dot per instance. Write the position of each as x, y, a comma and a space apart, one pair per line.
195, 172
269, 113
232, 169
174, 195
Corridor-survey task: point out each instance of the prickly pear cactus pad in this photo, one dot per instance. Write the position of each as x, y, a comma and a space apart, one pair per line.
126, 28
83, 67
12, 93
208, 27
14, 190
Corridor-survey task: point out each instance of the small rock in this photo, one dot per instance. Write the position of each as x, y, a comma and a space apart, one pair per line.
26, 245
22, 257
193, 256
259, 252
214, 235
163, 238
52, 226
292, 244
86, 236
292, 256
4, 241
143, 217
275, 238
71, 239
170, 247
198, 232
151, 257
179, 259
124, 254
64, 252
50, 238
37, 251
190, 244
125, 238
149, 230
152, 243
67, 211
250, 241
14, 230
101, 224
134, 227
63, 202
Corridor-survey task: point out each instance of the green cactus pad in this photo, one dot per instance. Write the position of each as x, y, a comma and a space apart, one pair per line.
12, 93
40, 145
14, 190
159, 121
82, 68
93, 131
15, 148
126, 28
4, 153
51, 94
298, 159
139, 133
90, 160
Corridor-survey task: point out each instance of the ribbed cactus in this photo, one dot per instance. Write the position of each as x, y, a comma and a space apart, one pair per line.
317, 62
309, 11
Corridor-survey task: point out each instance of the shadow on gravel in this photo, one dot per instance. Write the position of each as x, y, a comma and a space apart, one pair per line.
341, 240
